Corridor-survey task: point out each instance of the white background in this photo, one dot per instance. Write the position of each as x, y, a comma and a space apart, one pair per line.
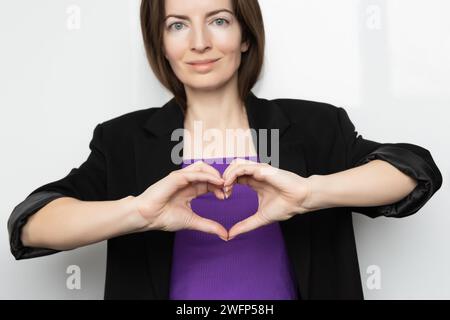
386, 62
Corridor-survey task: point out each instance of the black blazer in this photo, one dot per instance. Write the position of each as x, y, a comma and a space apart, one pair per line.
133, 151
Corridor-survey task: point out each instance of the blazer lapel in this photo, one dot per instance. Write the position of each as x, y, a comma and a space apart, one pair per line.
153, 162
266, 114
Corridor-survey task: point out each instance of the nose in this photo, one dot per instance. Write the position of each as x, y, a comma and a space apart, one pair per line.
200, 38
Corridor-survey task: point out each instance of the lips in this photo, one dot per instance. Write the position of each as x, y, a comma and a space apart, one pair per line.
200, 62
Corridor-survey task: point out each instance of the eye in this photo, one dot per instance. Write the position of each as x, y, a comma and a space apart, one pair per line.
222, 19
174, 24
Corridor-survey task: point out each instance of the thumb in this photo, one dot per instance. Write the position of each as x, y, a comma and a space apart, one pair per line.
206, 225
253, 222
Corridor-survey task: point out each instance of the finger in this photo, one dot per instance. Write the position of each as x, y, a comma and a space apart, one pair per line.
243, 169
202, 166
249, 181
251, 223
217, 191
230, 176
259, 171
206, 225
183, 178
184, 182
200, 188
245, 180
235, 162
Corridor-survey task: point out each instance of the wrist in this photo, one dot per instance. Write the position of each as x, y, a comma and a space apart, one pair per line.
136, 221
315, 197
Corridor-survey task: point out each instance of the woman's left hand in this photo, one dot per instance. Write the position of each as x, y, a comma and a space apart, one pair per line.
281, 194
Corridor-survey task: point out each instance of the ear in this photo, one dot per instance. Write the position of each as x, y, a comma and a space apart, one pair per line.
244, 46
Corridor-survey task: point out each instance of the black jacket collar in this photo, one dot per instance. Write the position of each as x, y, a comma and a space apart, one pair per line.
262, 114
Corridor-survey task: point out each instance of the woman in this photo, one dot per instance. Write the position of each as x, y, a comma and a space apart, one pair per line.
213, 229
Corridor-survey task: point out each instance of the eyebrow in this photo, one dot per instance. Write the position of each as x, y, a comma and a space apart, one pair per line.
211, 13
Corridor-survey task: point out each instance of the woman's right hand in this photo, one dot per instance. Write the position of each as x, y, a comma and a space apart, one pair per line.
165, 205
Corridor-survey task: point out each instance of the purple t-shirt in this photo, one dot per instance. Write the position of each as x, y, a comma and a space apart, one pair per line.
252, 266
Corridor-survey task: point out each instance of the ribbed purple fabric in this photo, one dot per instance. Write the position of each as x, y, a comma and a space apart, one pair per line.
252, 266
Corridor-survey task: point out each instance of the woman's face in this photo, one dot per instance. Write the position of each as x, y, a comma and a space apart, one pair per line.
200, 35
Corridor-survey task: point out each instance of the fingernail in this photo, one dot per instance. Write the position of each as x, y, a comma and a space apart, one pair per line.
224, 239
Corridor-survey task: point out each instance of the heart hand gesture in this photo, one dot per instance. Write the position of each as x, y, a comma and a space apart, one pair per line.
281, 194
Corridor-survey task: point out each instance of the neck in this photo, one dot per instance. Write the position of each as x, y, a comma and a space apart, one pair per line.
219, 109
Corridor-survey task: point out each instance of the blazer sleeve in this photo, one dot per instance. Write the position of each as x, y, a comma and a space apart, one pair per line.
86, 183
411, 159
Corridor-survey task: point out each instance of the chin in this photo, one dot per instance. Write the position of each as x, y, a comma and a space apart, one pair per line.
206, 84
205, 87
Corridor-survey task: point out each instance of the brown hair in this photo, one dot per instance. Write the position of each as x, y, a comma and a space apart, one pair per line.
247, 12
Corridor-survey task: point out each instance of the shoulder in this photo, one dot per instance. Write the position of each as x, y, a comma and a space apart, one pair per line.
307, 112
129, 120
121, 129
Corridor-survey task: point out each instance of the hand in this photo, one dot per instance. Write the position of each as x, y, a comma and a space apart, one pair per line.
281, 194
165, 205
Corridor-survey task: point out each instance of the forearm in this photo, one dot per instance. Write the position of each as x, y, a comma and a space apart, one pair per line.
372, 184
67, 223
